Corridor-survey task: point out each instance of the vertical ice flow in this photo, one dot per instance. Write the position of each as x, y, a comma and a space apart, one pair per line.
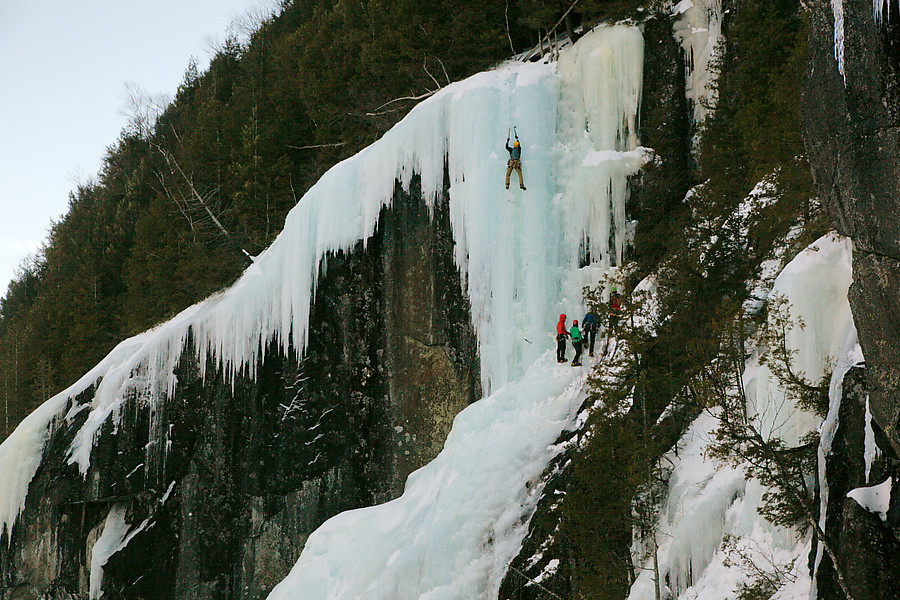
882, 11
461, 518
698, 30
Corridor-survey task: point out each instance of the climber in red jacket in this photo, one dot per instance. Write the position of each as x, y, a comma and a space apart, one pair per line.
561, 335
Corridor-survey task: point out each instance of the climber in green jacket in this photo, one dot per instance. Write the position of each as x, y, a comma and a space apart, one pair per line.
577, 340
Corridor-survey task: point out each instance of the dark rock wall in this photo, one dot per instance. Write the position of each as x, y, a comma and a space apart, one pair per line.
231, 484
852, 133
433, 371
867, 548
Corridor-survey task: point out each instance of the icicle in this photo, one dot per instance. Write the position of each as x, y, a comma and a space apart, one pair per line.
871, 447
882, 11
837, 9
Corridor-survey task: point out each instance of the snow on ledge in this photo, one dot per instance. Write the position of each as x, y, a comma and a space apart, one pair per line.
876, 499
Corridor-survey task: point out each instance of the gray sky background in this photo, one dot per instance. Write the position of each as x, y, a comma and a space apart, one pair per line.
65, 66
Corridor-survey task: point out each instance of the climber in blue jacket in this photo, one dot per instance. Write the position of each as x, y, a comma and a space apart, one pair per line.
590, 324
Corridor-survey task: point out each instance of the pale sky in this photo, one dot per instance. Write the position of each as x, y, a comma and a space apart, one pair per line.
64, 67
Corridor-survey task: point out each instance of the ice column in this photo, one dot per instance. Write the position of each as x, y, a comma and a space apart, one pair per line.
598, 120
698, 30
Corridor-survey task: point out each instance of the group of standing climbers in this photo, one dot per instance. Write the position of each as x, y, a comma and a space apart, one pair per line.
591, 324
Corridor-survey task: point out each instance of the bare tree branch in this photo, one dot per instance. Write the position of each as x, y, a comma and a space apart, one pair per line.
378, 112
201, 202
293, 193
425, 66
550, 31
420, 97
315, 146
443, 68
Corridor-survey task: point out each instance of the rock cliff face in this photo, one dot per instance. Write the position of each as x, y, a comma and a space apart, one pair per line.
867, 548
852, 132
251, 467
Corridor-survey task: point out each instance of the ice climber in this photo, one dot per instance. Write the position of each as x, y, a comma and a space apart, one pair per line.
515, 162
615, 309
591, 323
576, 341
561, 335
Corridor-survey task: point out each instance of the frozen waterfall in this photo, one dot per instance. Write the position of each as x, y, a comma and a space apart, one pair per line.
521, 255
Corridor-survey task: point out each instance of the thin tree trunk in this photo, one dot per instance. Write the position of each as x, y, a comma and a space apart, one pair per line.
508, 36
173, 164
655, 566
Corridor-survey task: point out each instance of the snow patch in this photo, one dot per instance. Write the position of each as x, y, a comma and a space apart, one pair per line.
682, 7
815, 284
116, 535
702, 505
876, 499
708, 500
871, 448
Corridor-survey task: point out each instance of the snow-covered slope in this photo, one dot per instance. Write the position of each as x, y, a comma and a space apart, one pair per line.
708, 499
519, 254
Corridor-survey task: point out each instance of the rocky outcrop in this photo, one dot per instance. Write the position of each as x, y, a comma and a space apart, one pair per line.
868, 549
852, 132
224, 482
